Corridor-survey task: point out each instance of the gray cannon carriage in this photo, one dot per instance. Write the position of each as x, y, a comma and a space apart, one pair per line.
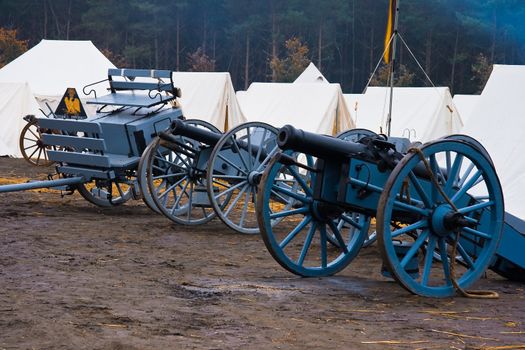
193, 172
99, 156
439, 209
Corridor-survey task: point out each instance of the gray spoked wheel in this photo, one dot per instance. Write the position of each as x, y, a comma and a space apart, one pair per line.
234, 170
107, 193
142, 172
176, 177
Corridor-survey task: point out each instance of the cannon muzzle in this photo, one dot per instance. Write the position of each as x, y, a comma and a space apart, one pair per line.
179, 127
320, 146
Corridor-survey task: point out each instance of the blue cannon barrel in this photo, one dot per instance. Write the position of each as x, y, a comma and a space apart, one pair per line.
179, 127
320, 146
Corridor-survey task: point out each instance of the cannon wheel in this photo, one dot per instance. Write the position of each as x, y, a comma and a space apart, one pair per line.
354, 135
31, 145
172, 181
425, 219
98, 192
291, 228
142, 179
236, 172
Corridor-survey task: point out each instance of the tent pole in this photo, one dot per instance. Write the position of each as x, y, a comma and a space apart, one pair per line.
392, 68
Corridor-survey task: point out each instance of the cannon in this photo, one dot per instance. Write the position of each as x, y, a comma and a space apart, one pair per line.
193, 172
99, 156
439, 209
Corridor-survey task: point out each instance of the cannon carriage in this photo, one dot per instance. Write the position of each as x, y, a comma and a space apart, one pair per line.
438, 207
193, 172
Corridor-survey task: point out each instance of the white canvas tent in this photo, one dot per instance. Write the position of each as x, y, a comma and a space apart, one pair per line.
465, 105
311, 75
313, 107
421, 113
16, 101
54, 65
210, 97
499, 124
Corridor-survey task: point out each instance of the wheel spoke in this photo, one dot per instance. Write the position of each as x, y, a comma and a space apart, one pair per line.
300, 180
466, 257
306, 220
351, 221
466, 174
411, 208
294, 195
434, 167
38, 156
453, 174
231, 163
417, 225
190, 200
477, 233
431, 246
258, 155
322, 237
414, 248
245, 207
337, 233
445, 260
25, 138
231, 189
291, 212
471, 182
239, 153
235, 200
168, 189
167, 176
475, 207
420, 190
35, 135
307, 243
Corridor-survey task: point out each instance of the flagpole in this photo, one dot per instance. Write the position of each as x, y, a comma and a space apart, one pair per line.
392, 68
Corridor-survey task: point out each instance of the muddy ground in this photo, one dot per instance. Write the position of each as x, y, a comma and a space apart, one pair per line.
74, 276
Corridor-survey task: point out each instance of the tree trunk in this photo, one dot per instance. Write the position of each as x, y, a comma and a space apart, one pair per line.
177, 40
59, 32
274, 44
354, 17
494, 32
247, 63
428, 52
320, 47
45, 19
68, 23
371, 52
454, 58
205, 33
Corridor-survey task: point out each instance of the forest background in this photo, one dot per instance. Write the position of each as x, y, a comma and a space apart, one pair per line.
456, 41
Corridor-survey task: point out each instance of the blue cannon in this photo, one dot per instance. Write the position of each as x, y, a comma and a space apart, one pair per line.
99, 156
439, 209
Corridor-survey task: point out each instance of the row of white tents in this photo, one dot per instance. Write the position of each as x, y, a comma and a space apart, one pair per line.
42, 74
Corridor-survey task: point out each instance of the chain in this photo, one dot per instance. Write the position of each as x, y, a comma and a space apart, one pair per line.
478, 294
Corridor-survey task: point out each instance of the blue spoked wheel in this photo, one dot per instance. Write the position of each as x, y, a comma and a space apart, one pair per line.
296, 228
450, 227
176, 184
235, 168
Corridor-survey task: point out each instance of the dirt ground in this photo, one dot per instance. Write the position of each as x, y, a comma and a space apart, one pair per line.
74, 276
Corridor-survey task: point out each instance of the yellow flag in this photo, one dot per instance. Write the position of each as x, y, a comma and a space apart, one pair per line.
389, 29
